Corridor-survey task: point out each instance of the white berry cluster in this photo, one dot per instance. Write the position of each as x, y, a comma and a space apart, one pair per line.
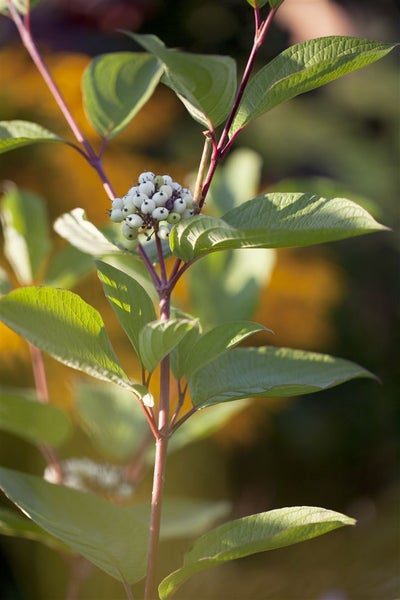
151, 206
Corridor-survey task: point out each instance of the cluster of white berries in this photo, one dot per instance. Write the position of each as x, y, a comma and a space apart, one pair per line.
154, 205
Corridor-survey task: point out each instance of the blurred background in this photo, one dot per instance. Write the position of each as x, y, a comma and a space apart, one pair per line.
338, 449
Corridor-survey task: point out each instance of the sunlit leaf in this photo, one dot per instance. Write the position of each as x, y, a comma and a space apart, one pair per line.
273, 221
81, 233
26, 235
23, 415
130, 301
253, 534
115, 88
158, 338
109, 536
269, 371
16, 134
205, 83
111, 417
62, 324
303, 67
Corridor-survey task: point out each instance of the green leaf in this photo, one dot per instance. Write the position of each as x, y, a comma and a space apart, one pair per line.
14, 525
269, 371
109, 536
26, 235
115, 88
205, 83
83, 235
303, 67
16, 134
253, 534
62, 324
273, 221
275, 3
111, 417
67, 267
180, 353
130, 301
23, 415
216, 342
260, 3
158, 338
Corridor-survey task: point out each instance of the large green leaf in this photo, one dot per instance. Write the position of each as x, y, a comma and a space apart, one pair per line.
111, 417
273, 221
250, 535
158, 338
62, 324
23, 415
110, 536
205, 83
303, 67
216, 342
26, 233
180, 353
269, 371
130, 301
83, 235
14, 524
116, 86
16, 134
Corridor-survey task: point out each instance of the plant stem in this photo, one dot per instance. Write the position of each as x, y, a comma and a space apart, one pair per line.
42, 392
224, 142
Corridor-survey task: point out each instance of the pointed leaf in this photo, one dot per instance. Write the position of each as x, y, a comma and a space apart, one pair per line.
130, 301
269, 371
206, 84
82, 234
303, 67
115, 88
16, 134
26, 234
253, 534
273, 221
14, 525
109, 536
158, 338
111, 417
216, 342
23, 415
62, 324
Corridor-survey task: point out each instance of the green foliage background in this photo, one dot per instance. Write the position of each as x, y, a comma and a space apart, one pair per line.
339, 448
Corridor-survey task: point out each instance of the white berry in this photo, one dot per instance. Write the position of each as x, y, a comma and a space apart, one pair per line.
179, 205
116, 215
147, 188
146, 176
128, 232
117, 203
160, 213
134, 221
163, 233
147, 206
